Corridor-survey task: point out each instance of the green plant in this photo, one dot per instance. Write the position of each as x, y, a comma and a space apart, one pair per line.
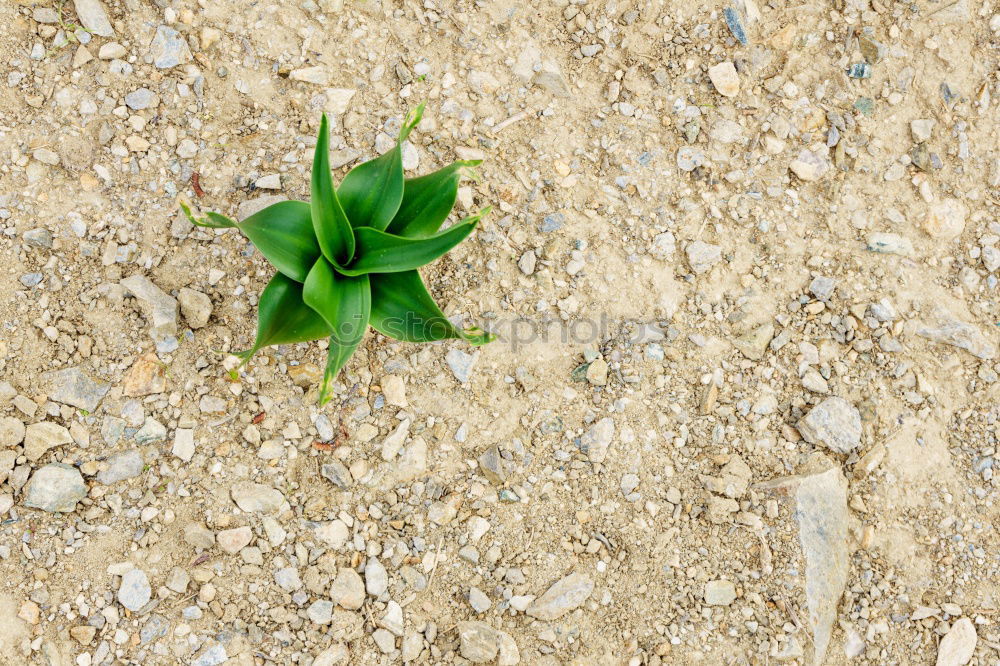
348, 258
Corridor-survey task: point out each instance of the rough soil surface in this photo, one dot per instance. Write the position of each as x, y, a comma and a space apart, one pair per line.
743, 263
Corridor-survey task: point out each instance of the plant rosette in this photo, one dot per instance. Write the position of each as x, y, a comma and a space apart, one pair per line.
348, 258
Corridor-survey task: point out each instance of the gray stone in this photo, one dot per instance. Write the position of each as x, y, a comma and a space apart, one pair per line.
11, 431
818, 501
376, 578
178, 580
155, 628
720, 592
40, 237
596, 441
288, 579
320, 612
822, 287
958, 645
199, 536
384, 640
337, 473
195, 306
478, 641
333, 655
42, 436
160, 307
256, 497
183, 447
71, 386
689, 158
461, 364
140, 99
948, 330
55, 488
702, 256
479, 601
45, 15
134, 592
168, 48
93, 17
754, 344
562, 597
111, 51
122, 466
663, 246
922, 128
269, 182
886, 243
809, 166
491, 464
833, 423
213, 655
393, 618
234, 540
392, 444
151, 431
347, 589
733, 480
112, 429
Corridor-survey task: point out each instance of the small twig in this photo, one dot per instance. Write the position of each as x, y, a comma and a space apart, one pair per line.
437, 553
504, 124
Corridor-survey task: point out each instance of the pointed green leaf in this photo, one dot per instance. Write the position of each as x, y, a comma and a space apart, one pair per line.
380, 252
284, 318
211, 220
345, 304
329, 221
283, 233
372, 191
403, 309
427, 200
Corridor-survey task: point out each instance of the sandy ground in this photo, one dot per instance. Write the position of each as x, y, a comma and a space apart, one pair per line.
743, 408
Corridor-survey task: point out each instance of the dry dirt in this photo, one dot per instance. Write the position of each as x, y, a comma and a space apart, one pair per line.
679, 277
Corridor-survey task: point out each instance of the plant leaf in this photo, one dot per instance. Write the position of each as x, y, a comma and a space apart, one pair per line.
427, 200
345, 304
380, 252
284, 318
403, 309
211, 220
371, 192
283, 233
332, 228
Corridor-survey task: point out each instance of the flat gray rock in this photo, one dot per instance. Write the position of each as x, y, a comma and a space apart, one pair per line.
42, 436
159, 306
478, 641
11, 432
72, 386
168, 48
461, 364
958, 645
134, 592
947, 330
257, 498
55, 488
122, 466
596, 441
562, 597
818, 501
833, 423
93, 17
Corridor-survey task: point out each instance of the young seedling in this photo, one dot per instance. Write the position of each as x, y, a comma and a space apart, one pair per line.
348, 258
